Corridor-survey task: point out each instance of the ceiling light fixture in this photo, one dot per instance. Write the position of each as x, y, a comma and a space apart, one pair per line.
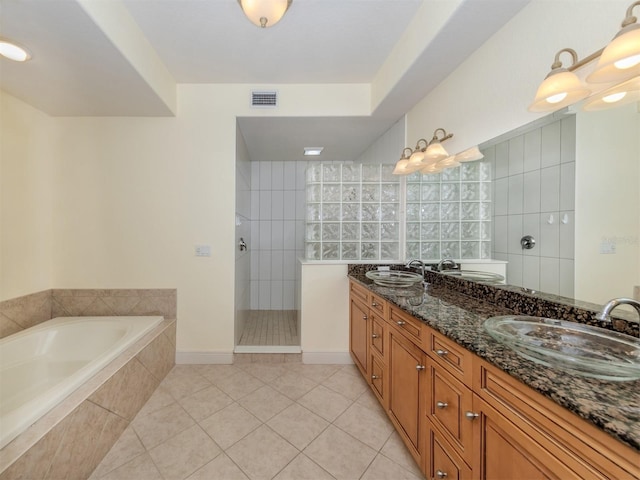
618, 62
13, 51
312, 151
264, 13
431, 157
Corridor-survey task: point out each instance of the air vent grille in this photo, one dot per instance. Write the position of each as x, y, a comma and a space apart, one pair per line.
264, 99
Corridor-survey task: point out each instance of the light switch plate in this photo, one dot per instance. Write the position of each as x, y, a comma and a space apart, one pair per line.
203, 250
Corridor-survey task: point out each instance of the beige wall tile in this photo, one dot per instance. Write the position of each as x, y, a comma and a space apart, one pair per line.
125, 449
26, 311
8, 326
158, 357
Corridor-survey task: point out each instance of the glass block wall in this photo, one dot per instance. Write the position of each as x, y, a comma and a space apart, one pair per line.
353, 212
356, 212
448, 215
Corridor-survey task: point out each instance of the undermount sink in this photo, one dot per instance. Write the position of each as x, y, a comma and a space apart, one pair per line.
394, 278
574, 347
486, 277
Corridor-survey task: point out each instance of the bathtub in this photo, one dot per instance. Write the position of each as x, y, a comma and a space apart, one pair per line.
42, 365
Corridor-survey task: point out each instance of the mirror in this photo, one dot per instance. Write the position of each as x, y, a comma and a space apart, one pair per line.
587, 225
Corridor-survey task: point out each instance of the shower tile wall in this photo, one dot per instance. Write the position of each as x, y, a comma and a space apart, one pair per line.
277, 232
534, 187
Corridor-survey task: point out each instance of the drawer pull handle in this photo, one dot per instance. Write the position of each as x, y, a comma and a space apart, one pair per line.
374, 377
374, 304
420, 367
441, 353
442, 405
471, 415
401, 323
441, 474
375, 335
364, 317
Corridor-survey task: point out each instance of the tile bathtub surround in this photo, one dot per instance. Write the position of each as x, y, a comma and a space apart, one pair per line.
70, 444
260, 421
23, 312
118, 302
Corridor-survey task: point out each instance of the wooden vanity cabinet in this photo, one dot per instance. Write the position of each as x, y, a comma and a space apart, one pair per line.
359, 332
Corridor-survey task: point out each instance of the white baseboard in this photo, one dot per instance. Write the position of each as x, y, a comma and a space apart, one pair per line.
327, 358
204, 358
266, 349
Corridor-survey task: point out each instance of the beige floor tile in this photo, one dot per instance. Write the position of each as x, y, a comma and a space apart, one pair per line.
124, 450
396, 451
161, 425
352, 370
324, 402
317, 373
346, 384
205, 403
369, 400
302, 468
262, 453
293, 385
185, 453
384, 469
159, 399
265, 402
298, 425
229, 425
140, 468
265, 372
238, 385
216, 372
340, 454
371, 427
182, 382
220, 468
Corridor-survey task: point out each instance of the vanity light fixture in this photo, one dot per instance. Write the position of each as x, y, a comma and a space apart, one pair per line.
264, 13
13, 51
618, 63
402, 166
312, 151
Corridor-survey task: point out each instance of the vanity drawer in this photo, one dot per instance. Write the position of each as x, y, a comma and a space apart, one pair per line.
378, 305
358, 291
452, 357
378, 380
410, 327
444, 462
448, 402
377, 335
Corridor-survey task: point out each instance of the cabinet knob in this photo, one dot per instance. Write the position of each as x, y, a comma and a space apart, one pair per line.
442, 405
374, 304
420, 367
401, 323
441, 353
471, 415
373, 335
441, 474
364, 317
374, 377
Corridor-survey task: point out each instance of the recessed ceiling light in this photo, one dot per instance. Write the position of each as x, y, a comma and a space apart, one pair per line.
12, 51
313, 151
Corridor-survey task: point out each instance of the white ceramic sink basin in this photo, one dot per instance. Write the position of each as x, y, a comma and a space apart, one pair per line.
574, 347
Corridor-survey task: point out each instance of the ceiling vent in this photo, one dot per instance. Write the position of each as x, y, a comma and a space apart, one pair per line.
264, 99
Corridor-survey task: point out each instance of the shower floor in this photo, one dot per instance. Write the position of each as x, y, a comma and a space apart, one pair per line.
271, 327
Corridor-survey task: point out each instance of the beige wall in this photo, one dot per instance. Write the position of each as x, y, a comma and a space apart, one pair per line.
27, 150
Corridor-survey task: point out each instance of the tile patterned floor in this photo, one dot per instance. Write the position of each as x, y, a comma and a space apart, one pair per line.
271, 327
260, 421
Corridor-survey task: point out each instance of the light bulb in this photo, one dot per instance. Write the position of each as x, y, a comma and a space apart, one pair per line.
614, 97
557, 98
628, 62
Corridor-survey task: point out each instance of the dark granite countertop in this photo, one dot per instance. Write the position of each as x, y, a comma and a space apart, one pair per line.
611, 406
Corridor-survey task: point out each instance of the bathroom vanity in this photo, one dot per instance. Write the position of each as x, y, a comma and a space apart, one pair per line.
467, 407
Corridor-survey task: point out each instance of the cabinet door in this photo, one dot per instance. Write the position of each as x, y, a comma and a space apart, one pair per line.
379, 380
406, 372
359, 335
444, 462
378, 336
505, 452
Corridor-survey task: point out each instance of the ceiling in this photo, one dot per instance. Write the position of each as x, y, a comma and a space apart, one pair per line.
80, 68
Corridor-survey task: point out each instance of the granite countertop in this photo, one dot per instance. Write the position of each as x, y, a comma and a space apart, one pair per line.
611, 406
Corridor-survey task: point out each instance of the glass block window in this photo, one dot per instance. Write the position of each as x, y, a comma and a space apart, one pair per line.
353, 212
449, 214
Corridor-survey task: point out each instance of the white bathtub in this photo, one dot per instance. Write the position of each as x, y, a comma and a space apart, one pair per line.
42, 365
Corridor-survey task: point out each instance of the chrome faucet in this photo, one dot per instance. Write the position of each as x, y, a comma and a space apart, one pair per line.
420, 263
605, 313
447, 264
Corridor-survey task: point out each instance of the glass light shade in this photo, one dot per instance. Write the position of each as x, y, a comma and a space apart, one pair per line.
620, 60
435, 152
13, 51
469, 155
448, 162
416, 158
264, 13
560, 89
433, 168
618, 95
